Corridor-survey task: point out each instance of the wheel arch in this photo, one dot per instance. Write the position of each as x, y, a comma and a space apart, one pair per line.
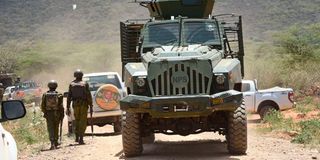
268, 102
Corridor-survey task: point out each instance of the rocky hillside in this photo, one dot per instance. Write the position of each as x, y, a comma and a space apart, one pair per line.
98, 20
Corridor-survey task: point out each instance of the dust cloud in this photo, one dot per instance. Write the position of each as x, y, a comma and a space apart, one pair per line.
86, 38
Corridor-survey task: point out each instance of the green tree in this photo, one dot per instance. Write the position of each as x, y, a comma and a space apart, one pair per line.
299, 43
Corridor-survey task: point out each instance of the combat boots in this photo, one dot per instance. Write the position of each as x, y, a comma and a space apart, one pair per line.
77, 138
56, 143
53, 146
81, 140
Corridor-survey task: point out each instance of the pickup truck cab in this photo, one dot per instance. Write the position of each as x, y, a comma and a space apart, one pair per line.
262, 101
10, 110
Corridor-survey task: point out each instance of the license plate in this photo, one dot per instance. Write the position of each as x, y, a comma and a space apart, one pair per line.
178, 108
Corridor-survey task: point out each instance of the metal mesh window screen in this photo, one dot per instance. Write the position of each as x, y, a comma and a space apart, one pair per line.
201, 33
162, 34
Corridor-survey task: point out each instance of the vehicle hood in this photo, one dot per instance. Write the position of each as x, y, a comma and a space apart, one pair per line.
174, 53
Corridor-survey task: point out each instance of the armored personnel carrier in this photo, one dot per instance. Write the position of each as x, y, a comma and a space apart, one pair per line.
182, 69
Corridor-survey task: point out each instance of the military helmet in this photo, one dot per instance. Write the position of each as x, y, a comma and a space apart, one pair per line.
78, 73
52, 84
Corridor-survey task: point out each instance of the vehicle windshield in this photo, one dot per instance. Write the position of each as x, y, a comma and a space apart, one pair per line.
201, 33
193, 32
97, 81
27, 85
161, 34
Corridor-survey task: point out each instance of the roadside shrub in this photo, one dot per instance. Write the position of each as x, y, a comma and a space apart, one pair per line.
302, 108
29, 130
309, 132
277, 122
299, 48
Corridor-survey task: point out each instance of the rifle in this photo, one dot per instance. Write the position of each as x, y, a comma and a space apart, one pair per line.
60, 136
91, 120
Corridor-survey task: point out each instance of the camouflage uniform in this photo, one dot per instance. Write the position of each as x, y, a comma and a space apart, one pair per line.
17, 82
1, 92
52, 107
80, 96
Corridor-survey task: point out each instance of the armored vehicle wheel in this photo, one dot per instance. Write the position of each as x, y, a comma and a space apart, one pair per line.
237, 131
131, 135
117, 127
265, 110
149, 139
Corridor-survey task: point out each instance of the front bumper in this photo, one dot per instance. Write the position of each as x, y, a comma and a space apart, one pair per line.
182, 106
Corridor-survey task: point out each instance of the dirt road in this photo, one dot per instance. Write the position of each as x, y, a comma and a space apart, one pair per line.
202, 146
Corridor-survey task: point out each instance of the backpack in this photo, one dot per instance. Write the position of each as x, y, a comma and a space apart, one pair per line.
78, 90
52, 101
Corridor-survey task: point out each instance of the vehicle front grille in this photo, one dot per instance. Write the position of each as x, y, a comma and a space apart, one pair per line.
180, 78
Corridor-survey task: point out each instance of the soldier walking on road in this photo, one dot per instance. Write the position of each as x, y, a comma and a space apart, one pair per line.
1, 92
17, 82
52, 107
80, 96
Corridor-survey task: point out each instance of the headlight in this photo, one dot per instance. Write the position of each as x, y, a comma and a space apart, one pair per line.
220, 79
140, 82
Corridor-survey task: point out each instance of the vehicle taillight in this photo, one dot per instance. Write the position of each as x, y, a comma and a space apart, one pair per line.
291, 96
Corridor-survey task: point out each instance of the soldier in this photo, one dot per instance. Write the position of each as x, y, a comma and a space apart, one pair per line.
52, 107
17, 82
1, 91
81, 99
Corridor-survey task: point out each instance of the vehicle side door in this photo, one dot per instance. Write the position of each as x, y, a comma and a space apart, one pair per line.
249, 90
3, 144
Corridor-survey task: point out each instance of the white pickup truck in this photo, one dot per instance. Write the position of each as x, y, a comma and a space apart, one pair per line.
262, 101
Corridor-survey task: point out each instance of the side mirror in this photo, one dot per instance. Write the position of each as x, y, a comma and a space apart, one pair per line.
65, 94
12, 110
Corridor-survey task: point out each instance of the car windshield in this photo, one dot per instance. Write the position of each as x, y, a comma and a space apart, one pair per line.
201, 33
161, 34
97, 81
27, 85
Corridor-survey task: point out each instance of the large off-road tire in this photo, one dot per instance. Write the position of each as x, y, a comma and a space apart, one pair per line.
149, 139
265, 110
131, 135
237, 131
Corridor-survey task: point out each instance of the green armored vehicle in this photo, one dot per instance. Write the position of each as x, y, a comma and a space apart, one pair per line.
183, 70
